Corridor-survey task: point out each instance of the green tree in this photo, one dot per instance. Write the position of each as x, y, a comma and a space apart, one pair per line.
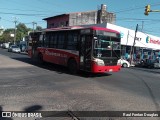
6, 36
21, 31
39, 28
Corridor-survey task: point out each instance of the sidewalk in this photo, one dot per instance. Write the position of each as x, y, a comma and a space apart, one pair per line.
7, 62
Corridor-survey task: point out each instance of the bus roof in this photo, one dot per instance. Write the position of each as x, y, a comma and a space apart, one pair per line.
104, 29
79, 28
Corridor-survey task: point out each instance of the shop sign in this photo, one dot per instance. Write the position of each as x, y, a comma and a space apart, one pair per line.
153, 41
138, 38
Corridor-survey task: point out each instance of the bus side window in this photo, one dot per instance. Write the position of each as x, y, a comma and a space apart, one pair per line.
53, 40
76, 41
61, 39
40, 44
72, 42
46, 40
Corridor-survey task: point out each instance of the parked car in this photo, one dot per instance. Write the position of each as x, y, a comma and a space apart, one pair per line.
5, 45
22, 46
157, 63
124, 63
14, 48
148, 63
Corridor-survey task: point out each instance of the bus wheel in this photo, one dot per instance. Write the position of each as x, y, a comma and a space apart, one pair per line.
72, 66
40, 58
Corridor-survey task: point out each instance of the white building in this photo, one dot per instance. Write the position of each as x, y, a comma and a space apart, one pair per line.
142, 39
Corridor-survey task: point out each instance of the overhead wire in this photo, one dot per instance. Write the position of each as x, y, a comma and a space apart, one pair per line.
45, 15
23, 14
24, 10
29, 10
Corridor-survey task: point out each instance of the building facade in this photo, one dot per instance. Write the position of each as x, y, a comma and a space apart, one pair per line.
81, 18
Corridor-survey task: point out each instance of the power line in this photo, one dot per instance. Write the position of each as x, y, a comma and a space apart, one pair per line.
29, 10
6, 20
23, 14
19, 3
23, 10
139, 19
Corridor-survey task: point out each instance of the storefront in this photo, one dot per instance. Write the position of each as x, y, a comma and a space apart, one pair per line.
146, 46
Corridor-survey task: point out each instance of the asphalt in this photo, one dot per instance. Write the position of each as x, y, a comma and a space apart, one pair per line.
153, 70
57, 91
6, 62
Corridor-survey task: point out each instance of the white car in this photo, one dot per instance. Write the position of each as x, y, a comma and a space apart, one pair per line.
14, 48
157, 64
124, 63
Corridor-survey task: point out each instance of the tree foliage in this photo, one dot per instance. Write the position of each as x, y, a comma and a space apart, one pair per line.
38, 28
6, 36
21, 31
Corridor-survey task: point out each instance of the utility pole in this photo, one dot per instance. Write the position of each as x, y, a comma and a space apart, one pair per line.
132, 48
142, 25
34, 23
15, 22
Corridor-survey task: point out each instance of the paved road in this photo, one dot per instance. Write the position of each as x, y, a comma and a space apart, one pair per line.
26, 86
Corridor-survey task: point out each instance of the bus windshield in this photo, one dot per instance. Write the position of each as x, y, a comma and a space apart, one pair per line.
106, 46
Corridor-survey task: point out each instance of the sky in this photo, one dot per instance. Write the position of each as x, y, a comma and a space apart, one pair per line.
129, 13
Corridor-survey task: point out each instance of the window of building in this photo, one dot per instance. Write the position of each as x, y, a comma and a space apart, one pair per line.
62, 24
67, 23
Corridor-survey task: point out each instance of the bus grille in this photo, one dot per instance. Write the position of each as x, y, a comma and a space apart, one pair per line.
110, 62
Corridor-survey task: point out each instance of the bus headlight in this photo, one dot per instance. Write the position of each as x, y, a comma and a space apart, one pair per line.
99, 62
119, 62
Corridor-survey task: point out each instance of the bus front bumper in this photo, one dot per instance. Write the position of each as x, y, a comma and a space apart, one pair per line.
105, 69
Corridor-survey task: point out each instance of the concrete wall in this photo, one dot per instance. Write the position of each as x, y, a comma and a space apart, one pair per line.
59, 21
83, 18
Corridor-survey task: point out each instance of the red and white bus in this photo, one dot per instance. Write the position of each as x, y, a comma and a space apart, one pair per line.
91, 49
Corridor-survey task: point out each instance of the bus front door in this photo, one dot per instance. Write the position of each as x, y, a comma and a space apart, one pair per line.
85, 52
